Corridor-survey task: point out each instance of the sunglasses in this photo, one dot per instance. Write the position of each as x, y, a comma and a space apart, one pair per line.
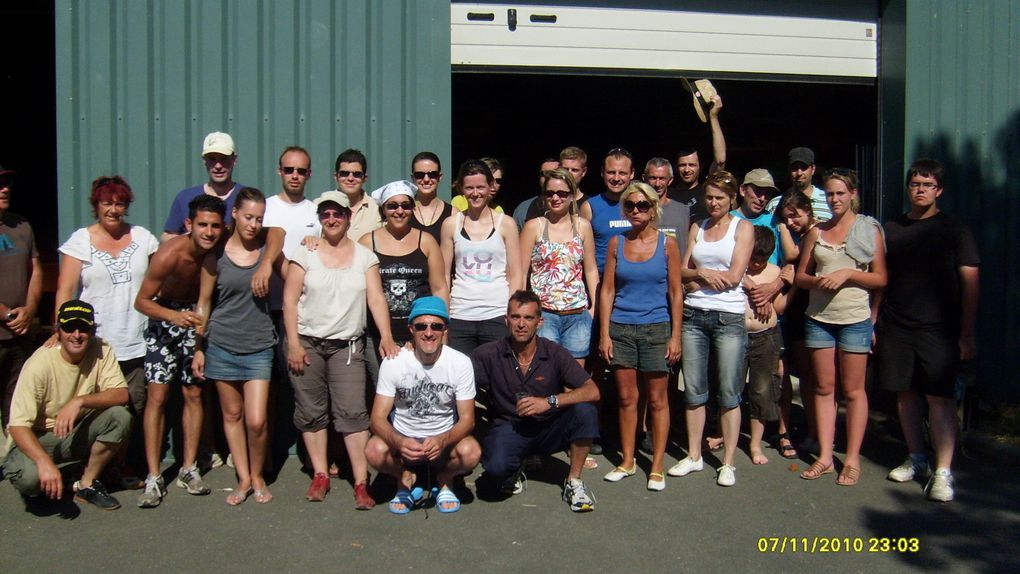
422, 327
343, 174
73, 326
332, 214
641, 206
422, 174
393, 206
619, 151
559, 194
302, 171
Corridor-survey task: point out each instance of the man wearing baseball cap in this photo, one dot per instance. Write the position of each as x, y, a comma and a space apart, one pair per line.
755, 192
220, 157
21, 285
69, 405
802, 170
424, 413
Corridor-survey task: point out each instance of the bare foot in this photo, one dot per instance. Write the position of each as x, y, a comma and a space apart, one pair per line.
758, 457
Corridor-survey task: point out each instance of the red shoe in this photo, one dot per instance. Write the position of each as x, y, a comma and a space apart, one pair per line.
318, 489
362, 499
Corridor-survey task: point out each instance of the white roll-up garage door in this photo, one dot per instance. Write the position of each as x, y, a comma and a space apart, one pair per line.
619, 39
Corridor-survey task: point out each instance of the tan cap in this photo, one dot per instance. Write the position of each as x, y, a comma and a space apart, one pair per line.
338, 197
218, 142
760, 178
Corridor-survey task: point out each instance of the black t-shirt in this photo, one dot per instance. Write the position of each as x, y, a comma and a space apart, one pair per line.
496, 370
924, 257
437, 226
692, 198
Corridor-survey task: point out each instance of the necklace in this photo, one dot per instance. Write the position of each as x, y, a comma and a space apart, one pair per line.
432, 217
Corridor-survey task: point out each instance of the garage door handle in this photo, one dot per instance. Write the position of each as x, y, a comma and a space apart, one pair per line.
481, 16
543, 18
511, 19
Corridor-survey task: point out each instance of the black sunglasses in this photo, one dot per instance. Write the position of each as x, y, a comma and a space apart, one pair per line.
343, 173
641, 206
73, 326
302, 171
437, 327
393, 206
422, 174
559, 194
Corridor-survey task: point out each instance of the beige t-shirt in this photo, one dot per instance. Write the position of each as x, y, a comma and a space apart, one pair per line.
364, 218
767, 275
48, 382
847, 305
333, 302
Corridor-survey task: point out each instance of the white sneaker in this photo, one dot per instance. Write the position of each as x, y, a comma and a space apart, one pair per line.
686, 466
726, 476
940, 487
909, 469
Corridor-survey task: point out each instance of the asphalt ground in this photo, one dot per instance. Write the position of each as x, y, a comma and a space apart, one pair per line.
770, 521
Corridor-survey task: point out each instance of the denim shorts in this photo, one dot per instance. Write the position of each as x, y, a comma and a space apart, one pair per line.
852, 338
719, 337
222, 365
572, 332
641, 347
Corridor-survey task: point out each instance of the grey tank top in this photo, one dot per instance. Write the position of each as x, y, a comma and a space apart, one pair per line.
240, 322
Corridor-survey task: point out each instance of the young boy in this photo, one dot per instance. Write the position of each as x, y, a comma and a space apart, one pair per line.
763, 340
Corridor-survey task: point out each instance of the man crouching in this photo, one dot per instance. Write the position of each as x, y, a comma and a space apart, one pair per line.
69, 406
424, 412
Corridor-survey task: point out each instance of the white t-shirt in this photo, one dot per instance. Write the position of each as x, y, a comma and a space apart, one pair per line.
299, 220
333, 303
425, 398
110, 284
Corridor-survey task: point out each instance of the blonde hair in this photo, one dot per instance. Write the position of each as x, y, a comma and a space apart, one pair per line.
646, 190
567, 178
724, 182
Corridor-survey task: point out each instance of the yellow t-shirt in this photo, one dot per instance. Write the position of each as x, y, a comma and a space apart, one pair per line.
460, 202
48, 382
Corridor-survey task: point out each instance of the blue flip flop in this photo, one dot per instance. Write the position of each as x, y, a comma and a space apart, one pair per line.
446, 496
403, 497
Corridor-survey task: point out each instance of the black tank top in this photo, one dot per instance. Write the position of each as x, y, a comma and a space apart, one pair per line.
404, 279
436, 226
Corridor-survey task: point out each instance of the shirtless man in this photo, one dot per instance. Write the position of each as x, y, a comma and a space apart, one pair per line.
168, 297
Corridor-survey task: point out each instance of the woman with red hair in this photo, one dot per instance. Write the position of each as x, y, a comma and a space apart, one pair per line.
107, 261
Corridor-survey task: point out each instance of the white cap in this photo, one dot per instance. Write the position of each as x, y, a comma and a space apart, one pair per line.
218, 142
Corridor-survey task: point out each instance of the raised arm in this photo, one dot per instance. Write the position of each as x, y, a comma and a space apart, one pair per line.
272, 256
718, 141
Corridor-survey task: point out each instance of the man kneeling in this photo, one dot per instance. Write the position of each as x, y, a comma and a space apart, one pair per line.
424, 412
541, 402
69, 405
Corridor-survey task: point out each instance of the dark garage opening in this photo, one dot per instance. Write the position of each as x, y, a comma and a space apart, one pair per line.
522, 118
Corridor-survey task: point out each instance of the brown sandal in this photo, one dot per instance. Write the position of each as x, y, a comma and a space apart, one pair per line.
817, 470
849, 476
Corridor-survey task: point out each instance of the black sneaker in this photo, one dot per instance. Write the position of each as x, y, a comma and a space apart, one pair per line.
95, 495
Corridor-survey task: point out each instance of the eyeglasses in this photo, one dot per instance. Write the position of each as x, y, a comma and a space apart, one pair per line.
925, 185
422, 174
75, 326
334, 214
641, 206
302, 171
393, 206
559, 194
422, 327
344, 174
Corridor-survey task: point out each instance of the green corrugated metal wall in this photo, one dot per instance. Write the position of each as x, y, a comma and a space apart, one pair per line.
961, 105
139, 84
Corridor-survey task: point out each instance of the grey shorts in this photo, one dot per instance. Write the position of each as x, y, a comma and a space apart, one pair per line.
641, 347
332, 387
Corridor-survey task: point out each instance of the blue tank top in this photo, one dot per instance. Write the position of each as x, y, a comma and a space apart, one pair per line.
641, 288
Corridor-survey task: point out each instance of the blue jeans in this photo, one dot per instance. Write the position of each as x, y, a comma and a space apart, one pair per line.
572, 332
718, 336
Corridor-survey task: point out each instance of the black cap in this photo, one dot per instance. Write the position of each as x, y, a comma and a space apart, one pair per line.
802, 155
76, 313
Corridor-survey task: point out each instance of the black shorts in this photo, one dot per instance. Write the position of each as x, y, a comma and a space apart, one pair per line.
922, 360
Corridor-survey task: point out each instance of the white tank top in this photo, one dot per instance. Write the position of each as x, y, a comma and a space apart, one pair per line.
480, 290
716, 255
